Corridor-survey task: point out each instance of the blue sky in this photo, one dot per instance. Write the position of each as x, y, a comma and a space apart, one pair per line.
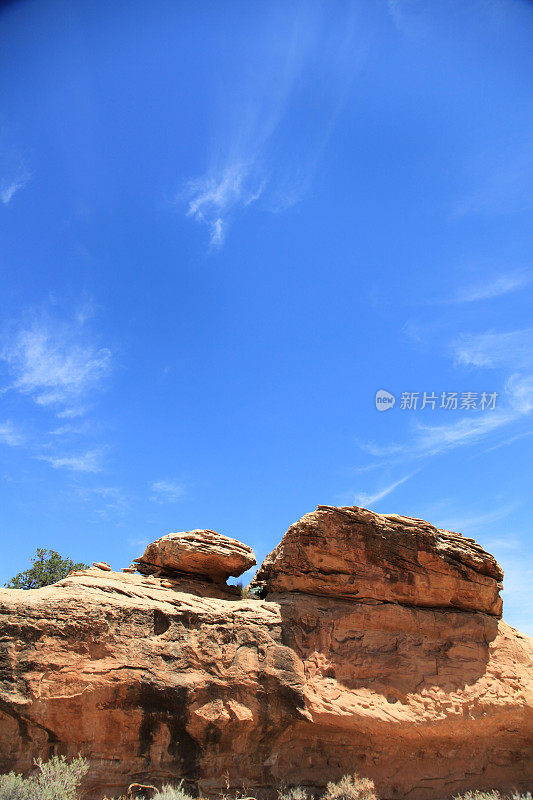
223, 228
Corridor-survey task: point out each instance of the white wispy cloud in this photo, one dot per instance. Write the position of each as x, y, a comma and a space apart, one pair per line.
510, 440
56, 363
410, 17
468, 524
213, 198
69, 429
493, 349
167, 492
509, 351
10, 186
496, 287
366, 500
10, 435
89, 461
108, 501
431, 440
249, 160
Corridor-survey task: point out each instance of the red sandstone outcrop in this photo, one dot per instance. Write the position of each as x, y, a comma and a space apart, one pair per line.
154, 682
351, 552
199, 552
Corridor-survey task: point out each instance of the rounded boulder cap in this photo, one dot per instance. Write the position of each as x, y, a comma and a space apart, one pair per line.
199, 552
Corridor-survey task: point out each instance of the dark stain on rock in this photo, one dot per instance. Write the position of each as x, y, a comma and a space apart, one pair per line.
167, 706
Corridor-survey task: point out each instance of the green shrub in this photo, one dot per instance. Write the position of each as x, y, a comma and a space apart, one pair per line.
351, 787
57, 779
47, 567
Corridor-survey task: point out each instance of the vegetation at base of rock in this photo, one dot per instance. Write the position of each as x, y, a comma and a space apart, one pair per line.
351, 787
294, 793
57, 779
492, 794
47, 567
172, 793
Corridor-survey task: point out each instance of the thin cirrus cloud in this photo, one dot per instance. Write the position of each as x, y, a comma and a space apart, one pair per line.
90, 461
367, 500
511, 352
166, 492
431, 440
212, 199
504, 284
493, 349
108, 501
10, 435
56, 364
250, 161
467, 524
10, 187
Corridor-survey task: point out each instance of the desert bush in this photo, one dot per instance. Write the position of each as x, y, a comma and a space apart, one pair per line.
57, 779
351, 787
169, 792
293, 793
491, 794
14, 787
245, 592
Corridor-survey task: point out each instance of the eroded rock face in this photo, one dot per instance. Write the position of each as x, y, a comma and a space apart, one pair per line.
199, 552
154, 681
351, 552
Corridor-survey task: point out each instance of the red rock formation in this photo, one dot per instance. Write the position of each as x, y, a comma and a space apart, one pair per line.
153, 679
353, 553
204, 553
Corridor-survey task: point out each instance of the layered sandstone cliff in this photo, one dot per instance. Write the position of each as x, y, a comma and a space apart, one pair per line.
377, 647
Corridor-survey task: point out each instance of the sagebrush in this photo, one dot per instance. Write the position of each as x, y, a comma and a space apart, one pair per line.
59, 779
492, 794
169, 792
351, 787
56, 779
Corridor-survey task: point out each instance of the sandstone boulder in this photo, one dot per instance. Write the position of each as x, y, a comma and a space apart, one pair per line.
199, 552
351, 552
154, 679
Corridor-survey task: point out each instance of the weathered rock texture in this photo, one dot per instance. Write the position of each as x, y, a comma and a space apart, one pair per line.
153, 681
204, 553
354, 553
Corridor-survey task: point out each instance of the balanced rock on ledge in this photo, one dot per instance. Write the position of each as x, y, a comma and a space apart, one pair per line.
353, 553
204, 553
